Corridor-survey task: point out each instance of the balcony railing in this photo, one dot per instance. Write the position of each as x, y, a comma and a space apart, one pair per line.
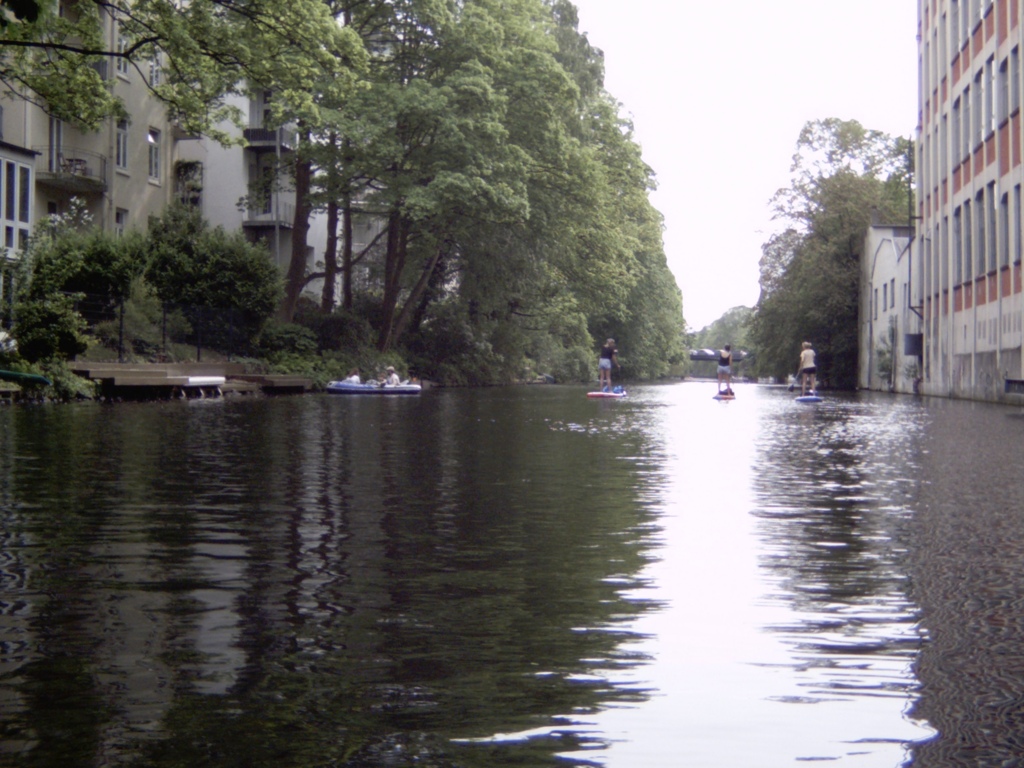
278, 213
270, 138
71, 169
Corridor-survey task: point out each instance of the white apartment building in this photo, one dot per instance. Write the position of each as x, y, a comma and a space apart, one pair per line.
967, 280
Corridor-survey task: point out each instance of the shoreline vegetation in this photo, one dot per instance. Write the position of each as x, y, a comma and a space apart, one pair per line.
486, 209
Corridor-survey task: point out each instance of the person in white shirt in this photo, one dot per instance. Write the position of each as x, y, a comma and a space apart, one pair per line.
807, 369
392, 379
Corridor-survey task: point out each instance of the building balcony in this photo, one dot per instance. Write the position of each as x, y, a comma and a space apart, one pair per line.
270, 139
278, 213
71, 170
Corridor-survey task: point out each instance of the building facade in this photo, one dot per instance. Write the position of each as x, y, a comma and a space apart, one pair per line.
888, 335
966, 283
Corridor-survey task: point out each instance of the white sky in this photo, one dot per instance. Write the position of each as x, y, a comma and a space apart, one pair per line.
718, 92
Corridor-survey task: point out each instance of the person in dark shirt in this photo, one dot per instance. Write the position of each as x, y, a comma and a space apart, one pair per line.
725, 370
609, 357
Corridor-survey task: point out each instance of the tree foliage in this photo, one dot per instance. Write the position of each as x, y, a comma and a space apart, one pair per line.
207, 50
181, 261
512, 197
842, 173
200, 268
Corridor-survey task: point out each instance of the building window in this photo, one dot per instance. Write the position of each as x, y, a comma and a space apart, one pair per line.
979, 246
122, 64
990, 227
954, 139
120, 222
968, 250
155, 69
885, 296
876, 304
944, 257
965, 129
977, 105
944, 147
17, 194
1004, 230
189, 183
154, 154
24, 194
1018, 230
121, 145
990, 97
1014, 80
958, 253
954, 24
1003, 108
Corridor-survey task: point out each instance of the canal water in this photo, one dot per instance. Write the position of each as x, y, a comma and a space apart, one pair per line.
513, 577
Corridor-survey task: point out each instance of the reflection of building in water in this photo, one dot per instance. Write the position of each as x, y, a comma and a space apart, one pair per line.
966, 275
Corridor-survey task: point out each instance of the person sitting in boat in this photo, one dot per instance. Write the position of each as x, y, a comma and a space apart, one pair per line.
353, 377
392, 380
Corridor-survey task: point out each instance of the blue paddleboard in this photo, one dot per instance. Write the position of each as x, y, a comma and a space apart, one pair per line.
808, 399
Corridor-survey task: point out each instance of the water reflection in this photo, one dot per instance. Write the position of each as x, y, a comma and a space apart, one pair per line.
512, 576
310, 581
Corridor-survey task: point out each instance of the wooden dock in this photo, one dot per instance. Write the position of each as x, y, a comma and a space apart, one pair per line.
166, 381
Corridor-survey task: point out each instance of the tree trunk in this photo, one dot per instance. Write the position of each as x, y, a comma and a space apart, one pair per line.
414, 296
346, 252
394, 264
330, 258
295, 280
327, 295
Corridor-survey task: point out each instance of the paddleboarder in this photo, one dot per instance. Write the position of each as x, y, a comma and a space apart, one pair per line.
725, 370
609, 357
807, 369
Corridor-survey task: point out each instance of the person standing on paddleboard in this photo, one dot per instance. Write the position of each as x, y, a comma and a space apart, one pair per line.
725, 370
807, 369
609, 357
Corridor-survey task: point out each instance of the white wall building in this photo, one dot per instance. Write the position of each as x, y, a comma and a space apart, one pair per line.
889, 331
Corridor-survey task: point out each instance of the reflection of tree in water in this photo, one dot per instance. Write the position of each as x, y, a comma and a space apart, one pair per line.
833, 488
310, 585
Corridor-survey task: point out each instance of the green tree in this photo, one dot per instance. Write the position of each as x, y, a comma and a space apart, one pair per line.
200, 268
841, 174
209, 50
47, 324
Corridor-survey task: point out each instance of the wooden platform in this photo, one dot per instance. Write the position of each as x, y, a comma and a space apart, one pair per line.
164, 381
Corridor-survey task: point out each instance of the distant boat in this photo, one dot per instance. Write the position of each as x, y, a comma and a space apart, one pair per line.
349, 388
